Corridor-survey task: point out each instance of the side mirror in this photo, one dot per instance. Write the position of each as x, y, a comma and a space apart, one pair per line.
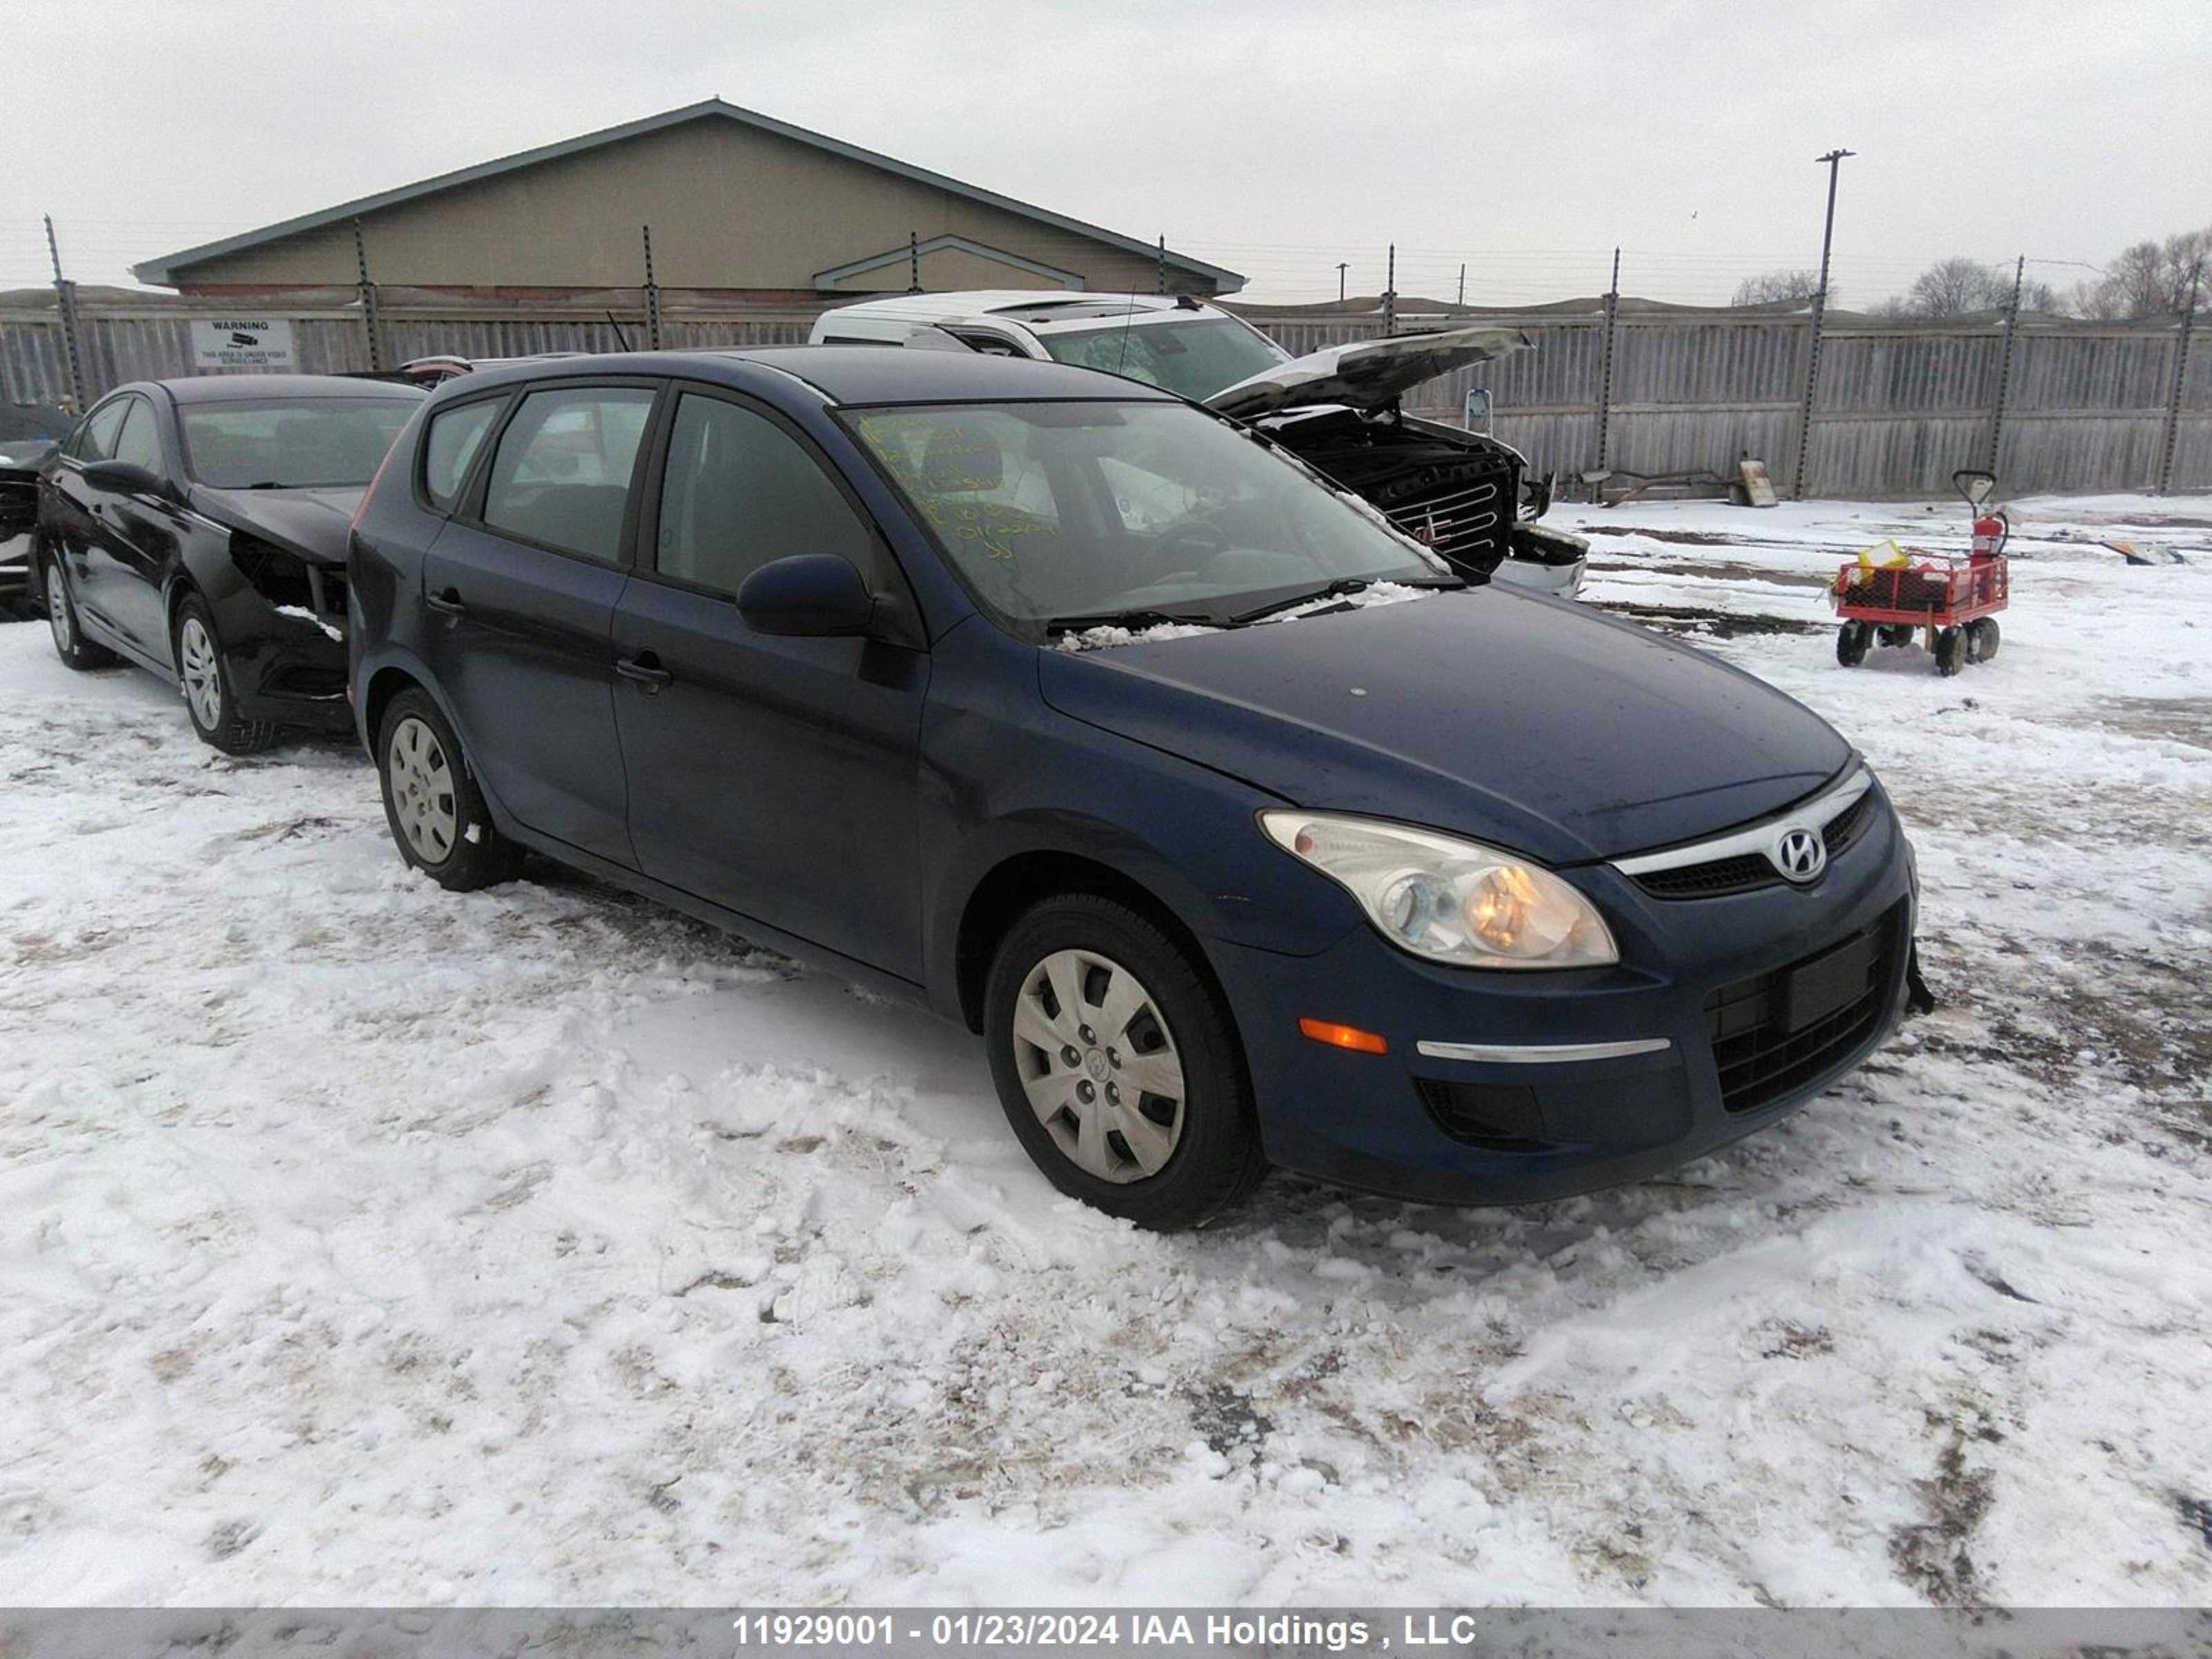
125, 479
811, 595
1975, 485
1475, 415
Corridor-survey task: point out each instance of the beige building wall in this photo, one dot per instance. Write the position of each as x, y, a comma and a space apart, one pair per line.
731, 206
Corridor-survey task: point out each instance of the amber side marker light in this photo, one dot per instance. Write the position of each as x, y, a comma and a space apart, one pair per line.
1344, 1036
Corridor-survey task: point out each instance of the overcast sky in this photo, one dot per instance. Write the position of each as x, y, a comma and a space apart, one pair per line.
1525, 138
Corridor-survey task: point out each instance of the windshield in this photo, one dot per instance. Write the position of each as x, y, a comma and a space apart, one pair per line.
1193, 360
290, 442
1061, 512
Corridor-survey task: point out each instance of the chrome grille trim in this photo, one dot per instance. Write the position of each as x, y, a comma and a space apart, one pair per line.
1814, 815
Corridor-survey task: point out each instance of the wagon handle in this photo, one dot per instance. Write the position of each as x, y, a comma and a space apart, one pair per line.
1976, 484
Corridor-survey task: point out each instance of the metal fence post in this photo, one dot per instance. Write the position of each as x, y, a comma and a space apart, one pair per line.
2004, 363
65, 300
369, 319
652, 294
1390, 294
1605, 365
2173, 397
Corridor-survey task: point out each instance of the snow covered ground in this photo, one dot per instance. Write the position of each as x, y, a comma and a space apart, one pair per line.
364, 1243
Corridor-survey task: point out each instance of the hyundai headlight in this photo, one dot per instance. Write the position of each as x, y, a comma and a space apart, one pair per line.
1446, 899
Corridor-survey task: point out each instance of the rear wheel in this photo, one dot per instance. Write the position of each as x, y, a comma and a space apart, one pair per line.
1118, 1067
436, 813
69, 642
1851, 643
208, 695
1950, 651
1983, 637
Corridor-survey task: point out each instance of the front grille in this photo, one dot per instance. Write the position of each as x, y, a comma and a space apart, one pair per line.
1457, 520
1776, 1031
1747, 873
1496, 1117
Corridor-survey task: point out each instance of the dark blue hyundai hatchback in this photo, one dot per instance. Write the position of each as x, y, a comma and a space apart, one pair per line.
1243, 830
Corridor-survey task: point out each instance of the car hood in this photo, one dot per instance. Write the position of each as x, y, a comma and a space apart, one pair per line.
311, 522
1523, 721
1366, 374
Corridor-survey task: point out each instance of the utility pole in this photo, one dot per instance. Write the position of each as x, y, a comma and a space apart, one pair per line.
652, 294
1834, 161
2004, 360
65, 300
1342, 266
369, 320
1390, 294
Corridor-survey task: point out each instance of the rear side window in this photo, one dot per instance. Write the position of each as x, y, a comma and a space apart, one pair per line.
454, 438
138, 443
95, 441
561, 475
739, 492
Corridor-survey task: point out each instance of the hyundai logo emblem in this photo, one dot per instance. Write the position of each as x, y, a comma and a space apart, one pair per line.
1800, 855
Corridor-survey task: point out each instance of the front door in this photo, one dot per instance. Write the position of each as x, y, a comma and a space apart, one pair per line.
135, 540
774, 776
521, 591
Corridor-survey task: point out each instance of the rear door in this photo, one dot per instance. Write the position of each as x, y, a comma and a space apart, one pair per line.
135, 539
521, 589
776, 777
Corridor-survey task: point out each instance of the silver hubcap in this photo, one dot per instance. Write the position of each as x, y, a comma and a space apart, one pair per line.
1099, 1066
421, 783
57, 611
203, 680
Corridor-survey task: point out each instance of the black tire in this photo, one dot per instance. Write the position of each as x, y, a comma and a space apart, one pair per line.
1216, 1160
1851, 643
1950, 651
432, 804
1982, 638
1891, 635
69, 642
205, 682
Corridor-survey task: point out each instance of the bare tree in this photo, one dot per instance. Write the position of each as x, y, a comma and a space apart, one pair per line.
1772, 285
2152, 279
1953, 287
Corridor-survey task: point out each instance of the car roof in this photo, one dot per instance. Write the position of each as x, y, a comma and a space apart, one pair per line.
231, 388
1045, 307
844, 374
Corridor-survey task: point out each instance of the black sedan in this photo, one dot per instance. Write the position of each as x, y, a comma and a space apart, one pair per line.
197, 529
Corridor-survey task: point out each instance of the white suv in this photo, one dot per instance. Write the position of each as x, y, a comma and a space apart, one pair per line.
1464, 494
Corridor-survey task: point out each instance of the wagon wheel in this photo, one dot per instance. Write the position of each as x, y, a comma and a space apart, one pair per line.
1950, 651
1983, 636
1895, 635
1851, 644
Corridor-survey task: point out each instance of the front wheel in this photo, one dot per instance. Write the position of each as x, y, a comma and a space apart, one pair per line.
1950, 651
69, 642
436, 813
1851, 643
209, 698
1983, 636
1118, 1067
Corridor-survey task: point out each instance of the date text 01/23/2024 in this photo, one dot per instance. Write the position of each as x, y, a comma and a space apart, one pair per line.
1015, 1629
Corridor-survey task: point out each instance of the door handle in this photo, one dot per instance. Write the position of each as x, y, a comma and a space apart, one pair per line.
447, 603
645, 668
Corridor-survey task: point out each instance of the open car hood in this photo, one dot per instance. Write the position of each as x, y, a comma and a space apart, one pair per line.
1366, 373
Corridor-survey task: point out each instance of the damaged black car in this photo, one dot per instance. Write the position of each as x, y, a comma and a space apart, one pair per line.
196, 528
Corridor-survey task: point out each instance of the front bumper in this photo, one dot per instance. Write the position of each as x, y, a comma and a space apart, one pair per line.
286, 664
1498, 1130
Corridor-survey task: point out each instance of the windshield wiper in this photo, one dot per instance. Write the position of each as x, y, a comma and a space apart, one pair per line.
1129, 619
1342, 588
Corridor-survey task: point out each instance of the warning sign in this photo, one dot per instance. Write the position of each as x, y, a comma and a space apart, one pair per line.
242, 342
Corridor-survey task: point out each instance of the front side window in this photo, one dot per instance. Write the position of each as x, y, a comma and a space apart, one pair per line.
1057, 511
739, 492
290, 443
561, 475
453, 441
1193, 360
138, 443
95, 440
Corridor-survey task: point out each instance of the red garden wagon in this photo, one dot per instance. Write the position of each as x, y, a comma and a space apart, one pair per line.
1953, 598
